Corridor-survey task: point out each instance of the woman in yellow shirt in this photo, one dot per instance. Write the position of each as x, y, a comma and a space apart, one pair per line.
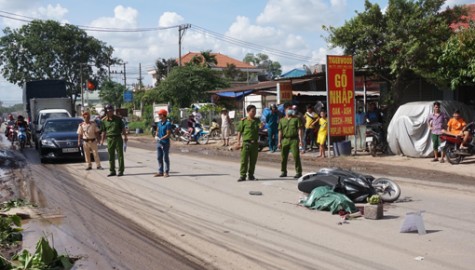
322, 132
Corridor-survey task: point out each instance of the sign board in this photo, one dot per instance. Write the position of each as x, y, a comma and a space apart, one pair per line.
285, 92
128, 96
341, 95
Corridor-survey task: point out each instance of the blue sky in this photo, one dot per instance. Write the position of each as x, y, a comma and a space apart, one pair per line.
293, 26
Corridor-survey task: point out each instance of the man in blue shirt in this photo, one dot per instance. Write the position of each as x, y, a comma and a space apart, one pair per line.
272, 120
360, 120
162, 136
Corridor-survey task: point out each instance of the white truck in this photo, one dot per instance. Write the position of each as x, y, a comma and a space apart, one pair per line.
44, 108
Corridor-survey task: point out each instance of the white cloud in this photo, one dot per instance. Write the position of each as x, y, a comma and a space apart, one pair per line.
307, 15
52, 12
170, 19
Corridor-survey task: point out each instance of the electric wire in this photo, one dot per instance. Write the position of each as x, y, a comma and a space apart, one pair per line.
195, 28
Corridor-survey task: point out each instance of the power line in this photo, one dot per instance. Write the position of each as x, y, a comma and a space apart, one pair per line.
250, 45
195, 28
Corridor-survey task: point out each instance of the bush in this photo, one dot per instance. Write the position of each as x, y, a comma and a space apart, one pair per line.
135, 125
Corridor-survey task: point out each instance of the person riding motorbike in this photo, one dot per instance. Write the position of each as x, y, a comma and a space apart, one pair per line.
10, 123
22, 123
467, 134
191, 125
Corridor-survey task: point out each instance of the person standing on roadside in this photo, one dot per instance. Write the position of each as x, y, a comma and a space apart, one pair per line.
437, 122
360, 121
114, 128
311, 119
290, 138
162, 136
225, 126
322, 132
272, 120
88, 133
248, 130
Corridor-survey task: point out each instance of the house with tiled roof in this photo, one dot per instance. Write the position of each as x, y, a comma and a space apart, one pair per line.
249, 71
470, 17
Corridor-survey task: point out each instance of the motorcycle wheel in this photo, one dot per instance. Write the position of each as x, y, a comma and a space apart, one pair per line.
185, 139
452, 157
373, 146
203, 139
387, 189
22, 145
215, 135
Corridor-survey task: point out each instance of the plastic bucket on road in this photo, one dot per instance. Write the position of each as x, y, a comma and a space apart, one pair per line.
342, 148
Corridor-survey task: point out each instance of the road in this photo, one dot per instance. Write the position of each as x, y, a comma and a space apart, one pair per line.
201, 217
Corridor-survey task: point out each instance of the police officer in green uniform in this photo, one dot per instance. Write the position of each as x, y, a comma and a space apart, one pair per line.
248, 129
113, 127
290, 138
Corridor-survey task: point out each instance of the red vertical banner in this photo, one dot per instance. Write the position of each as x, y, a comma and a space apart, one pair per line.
341, 95
285, 92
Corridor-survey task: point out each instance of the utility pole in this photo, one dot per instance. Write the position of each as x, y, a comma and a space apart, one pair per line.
125, 76
82, 88
140, 76
181, 32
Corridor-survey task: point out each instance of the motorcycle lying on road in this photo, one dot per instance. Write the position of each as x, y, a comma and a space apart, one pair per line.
451, 145
200, 135
357, 187
376, 139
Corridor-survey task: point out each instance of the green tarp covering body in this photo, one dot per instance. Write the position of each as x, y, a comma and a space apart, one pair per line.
325, 199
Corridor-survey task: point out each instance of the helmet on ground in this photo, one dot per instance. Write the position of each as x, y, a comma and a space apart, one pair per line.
162, 112
109, 108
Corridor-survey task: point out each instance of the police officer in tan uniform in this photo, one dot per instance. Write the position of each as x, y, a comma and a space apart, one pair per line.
88, 133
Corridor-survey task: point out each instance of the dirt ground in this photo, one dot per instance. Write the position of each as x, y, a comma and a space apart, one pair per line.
395, 167
10, 187
388, 165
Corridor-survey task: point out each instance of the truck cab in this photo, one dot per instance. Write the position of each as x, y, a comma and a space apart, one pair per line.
40, 119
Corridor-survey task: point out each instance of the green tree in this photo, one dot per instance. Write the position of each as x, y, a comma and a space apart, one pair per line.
163, 67
260, 60
232, 73
48, 50
457, 62
396, 45
205, 58
112, 93
188, 84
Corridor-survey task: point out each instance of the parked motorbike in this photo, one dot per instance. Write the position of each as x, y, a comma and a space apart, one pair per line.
357, 187
215, 133
376, 139
451, 145
263, 140
176, 132
22, 137
200, 136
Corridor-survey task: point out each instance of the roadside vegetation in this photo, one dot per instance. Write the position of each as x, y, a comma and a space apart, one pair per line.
45, 256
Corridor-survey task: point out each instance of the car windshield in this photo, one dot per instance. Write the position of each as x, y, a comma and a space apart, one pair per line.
61, 126
52, 116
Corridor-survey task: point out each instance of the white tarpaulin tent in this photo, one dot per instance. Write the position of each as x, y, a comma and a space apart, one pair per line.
408, 133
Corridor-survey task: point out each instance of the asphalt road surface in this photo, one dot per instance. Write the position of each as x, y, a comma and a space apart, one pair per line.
201, 218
